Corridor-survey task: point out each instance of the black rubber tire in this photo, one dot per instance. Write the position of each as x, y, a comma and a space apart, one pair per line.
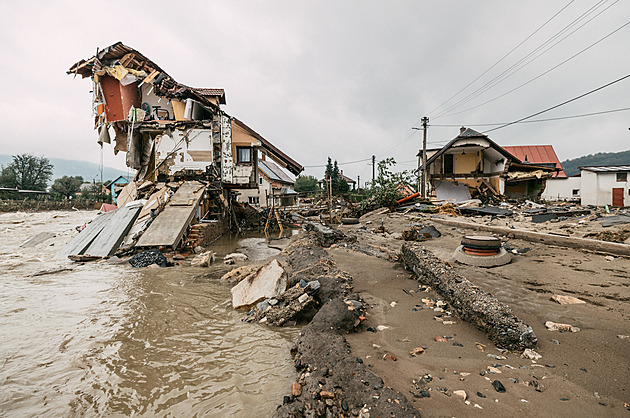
481, 242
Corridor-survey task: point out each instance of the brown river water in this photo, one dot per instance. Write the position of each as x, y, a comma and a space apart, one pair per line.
110, 340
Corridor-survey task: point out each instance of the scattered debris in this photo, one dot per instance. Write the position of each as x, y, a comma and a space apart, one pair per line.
531, 354
416, 351
268, 281
553, 326
566, 300
205, 259
148, 257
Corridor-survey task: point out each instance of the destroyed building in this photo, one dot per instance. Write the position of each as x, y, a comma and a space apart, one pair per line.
191, 157
473, 164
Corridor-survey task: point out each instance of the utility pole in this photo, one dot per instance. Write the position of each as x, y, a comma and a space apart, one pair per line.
425, 122
373, 169
358, 183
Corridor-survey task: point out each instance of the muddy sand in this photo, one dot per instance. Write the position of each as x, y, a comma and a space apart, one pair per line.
581, 373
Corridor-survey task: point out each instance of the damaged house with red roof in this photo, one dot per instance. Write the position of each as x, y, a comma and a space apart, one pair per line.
472, 165
190, 157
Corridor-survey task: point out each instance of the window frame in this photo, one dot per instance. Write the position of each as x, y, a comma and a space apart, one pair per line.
238, 155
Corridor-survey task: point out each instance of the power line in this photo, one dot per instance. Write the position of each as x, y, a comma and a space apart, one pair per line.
538, 120
529, 58
503, 57
560, 104
544, 73
349, 162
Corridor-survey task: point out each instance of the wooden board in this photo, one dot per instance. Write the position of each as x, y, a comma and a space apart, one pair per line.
112, 234
79, 243
617, 197
168, 228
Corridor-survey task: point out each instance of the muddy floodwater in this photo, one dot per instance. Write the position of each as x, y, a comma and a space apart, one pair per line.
110, 340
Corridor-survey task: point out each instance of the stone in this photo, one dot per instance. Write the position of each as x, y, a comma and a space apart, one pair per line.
234, 258
237, 274
296, 389
531, 354
416, 351
268, 281
498, 386
566, 300
204, 259
554, 326
461, 394
324, 394
148, 257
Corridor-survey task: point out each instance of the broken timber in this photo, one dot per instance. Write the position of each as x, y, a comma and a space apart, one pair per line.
471, 303
81, 242
168, 228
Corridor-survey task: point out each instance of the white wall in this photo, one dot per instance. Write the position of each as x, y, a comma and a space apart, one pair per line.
597, 188
562, 189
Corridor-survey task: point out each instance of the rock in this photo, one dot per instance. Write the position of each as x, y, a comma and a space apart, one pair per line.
296, 389
554, 326
481, 395
324, 394
203, 260
382, 327
234, 258
531, 354
416, 351
440, 339
237, 274
303, 298
498, 386
623, 337
566, 300
389, 357
461, 394
268, 281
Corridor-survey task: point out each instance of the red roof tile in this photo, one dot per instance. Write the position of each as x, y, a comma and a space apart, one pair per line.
537, 154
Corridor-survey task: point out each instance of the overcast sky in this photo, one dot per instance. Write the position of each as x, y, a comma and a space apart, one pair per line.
345, 79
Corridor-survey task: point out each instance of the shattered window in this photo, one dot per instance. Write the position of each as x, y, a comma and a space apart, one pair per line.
243, 154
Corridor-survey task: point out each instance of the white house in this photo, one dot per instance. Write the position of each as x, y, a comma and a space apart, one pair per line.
275, 187
605, 185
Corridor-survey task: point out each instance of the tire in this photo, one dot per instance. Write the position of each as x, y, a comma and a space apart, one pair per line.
481, 242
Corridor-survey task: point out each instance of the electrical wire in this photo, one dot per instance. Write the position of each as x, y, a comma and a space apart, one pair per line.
529, 58
560, 104
542, 74
503, 57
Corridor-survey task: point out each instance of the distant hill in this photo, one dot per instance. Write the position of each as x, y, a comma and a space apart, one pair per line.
89, 171
601, 158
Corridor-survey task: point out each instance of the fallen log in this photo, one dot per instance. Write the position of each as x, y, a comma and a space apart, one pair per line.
471, 303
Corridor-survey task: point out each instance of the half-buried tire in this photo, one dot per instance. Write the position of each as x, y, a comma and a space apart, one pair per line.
481, 242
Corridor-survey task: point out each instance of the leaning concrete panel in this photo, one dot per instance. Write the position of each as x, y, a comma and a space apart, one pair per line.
168, 228
471, 303
79, 243
109, 239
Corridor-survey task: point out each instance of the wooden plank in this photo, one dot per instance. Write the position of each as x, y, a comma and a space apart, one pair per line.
168, 228
79, 243
109, 239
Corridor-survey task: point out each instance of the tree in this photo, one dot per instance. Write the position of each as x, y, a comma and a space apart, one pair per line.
67, 187
26, 172
94, 192
384, 190
306, 184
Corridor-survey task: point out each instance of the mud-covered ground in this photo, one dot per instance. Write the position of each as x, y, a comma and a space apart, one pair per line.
580, 374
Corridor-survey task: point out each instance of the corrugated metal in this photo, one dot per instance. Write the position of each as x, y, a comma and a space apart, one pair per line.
537, 154
606, 168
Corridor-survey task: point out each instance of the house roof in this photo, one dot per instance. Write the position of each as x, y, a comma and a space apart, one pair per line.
347, 179
163, 84
125, 178
293, 166
606, 168
471, 133
274, 172
536, 154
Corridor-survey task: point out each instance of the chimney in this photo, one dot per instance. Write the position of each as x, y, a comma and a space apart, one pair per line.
462, 129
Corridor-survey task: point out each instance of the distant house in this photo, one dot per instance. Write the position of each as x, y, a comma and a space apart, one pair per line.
117, 184
352, 183
605, 185
275, 187
472, 163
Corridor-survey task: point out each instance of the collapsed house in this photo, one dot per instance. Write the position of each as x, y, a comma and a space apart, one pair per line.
472, 164
191, 158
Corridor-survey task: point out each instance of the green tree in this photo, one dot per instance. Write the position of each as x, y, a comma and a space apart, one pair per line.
67, 187
384, 191
26, 172
94, 192
306, 183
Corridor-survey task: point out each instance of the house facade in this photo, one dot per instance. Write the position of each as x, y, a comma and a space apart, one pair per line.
275, 187
472, 164
605, 185
168, 130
